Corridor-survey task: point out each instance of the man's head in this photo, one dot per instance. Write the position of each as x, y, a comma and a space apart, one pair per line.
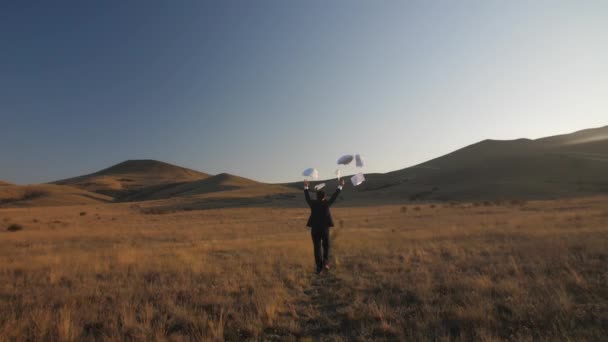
320, 195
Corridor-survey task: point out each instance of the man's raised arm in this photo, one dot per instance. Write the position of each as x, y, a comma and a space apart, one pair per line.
335, 195
306, 194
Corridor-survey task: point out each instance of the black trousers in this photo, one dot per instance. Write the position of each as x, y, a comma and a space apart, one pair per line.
320, 241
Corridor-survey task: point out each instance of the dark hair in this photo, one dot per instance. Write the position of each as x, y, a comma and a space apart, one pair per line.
320, 195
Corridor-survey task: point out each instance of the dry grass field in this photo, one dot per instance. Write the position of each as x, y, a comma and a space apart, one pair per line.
481, 271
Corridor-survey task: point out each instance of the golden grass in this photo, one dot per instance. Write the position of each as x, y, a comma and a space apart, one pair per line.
442, 272
46, 195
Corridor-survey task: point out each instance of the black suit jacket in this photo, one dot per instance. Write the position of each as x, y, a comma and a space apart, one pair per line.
320, 216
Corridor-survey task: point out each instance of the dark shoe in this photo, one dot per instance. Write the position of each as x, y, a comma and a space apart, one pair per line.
319, 270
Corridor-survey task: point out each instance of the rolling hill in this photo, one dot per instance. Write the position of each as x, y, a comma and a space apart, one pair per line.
222, 185
560, 166
47, 195
176, 187
130, 176
219, 191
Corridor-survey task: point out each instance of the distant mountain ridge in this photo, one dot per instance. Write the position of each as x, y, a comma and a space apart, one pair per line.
564, 165
132, 175
223, 184
590, 135
573, 164
149, 166
146, 180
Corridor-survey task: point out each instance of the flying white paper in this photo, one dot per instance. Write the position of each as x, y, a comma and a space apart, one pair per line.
319, 186
359, 161
311, 172
345, 159
357, 179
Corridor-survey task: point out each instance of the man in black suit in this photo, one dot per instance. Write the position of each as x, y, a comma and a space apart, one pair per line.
320, 221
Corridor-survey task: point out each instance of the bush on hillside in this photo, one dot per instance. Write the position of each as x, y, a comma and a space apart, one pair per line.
14, 227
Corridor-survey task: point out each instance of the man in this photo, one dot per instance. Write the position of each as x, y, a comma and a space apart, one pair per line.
320, 221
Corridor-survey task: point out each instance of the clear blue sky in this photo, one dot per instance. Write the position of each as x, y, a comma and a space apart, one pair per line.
264, 89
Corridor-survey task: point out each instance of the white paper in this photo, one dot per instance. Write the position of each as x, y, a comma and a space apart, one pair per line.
359, 160
311, 172
357, 179
345, 159
319, 186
